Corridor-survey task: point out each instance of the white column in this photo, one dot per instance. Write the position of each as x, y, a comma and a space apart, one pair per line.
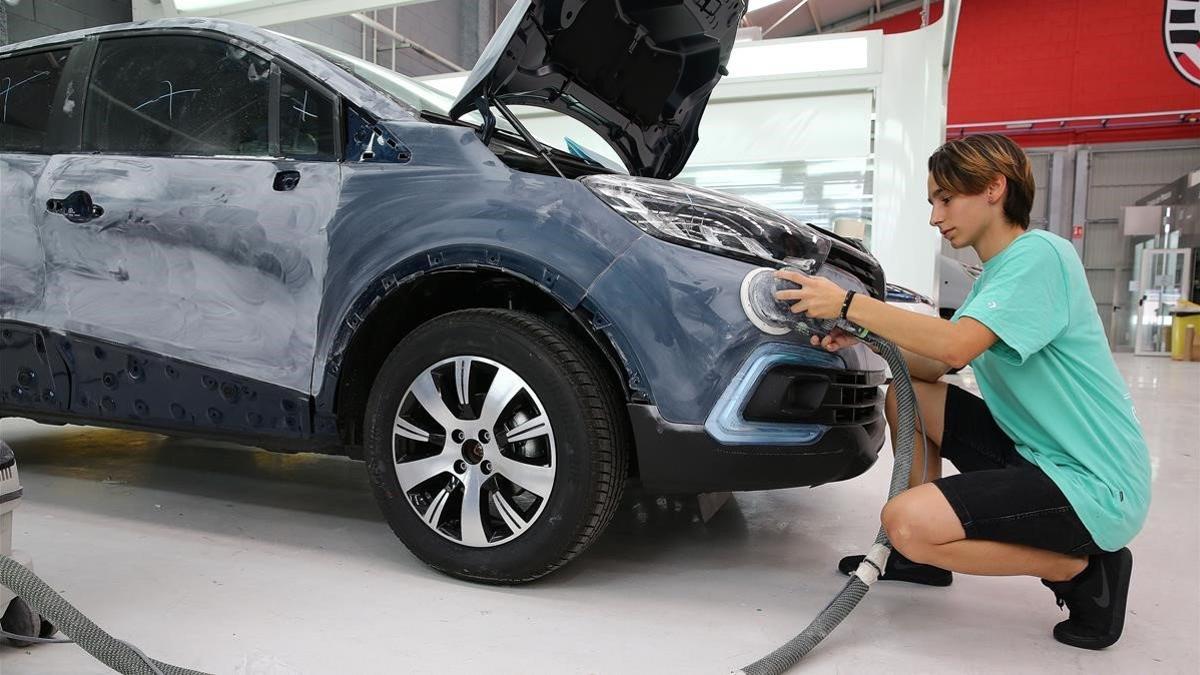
910, 124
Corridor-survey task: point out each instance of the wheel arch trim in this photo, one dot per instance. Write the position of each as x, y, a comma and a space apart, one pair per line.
556, 285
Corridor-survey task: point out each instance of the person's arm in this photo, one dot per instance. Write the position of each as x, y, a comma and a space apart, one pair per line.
954, 344
919, 367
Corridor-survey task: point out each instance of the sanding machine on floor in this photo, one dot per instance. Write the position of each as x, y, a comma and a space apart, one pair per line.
16, 617
33, 611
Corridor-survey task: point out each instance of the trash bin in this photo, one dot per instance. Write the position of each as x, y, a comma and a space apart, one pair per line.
1184, 315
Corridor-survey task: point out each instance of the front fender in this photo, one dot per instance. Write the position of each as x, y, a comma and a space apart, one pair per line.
562, 287
679, 312
455, 205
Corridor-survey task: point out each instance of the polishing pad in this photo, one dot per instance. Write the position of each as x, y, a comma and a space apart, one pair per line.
769, 315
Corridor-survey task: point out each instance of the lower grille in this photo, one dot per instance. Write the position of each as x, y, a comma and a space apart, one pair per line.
802, 394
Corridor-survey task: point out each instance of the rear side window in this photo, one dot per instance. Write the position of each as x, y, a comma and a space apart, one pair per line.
178, 95
27, 86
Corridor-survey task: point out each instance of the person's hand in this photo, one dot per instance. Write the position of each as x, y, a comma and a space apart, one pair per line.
838, 339
817, 297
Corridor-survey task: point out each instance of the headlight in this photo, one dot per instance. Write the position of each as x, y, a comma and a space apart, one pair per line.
711, 221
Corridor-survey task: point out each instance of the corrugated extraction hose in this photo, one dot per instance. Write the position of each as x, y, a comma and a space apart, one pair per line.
782, 659
120, 656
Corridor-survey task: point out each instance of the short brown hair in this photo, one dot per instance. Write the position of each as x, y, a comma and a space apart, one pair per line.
966, 165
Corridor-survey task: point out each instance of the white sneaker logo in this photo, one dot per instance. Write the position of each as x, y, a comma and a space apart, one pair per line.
992, 304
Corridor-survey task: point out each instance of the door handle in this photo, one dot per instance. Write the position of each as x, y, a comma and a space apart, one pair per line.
76, 207
286, 180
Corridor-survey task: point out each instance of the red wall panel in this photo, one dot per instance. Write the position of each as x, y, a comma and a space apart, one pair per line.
1037, 59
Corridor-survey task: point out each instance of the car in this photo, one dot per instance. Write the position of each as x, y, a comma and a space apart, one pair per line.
212, 230
956, 277
906, 298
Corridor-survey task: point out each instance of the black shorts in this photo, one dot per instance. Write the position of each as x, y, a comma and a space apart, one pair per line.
999, 495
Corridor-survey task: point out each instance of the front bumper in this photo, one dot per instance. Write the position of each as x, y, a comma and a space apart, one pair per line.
713, 413
684, 459
791, 416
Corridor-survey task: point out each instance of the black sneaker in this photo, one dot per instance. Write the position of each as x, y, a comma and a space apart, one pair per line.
1096, 600
900, 568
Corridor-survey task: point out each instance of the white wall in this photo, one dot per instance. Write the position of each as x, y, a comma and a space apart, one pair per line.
336, 32
911, 124
820, 89
30, 19
825, 126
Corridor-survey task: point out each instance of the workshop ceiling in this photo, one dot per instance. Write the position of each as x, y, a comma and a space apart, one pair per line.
789, 18
259, 12
776, 18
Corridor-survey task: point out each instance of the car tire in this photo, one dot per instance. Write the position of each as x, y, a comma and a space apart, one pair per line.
567, 486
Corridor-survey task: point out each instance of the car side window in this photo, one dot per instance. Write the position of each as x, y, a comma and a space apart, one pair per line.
27, 86
306, 120
182, 95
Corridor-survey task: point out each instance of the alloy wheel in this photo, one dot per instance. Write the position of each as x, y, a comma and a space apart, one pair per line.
474, 451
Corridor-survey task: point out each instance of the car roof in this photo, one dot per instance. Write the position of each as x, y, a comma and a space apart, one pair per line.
372, 101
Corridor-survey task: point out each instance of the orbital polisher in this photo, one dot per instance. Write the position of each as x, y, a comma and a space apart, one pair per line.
775, 317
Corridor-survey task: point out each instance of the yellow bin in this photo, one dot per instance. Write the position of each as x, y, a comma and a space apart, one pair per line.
1186, 314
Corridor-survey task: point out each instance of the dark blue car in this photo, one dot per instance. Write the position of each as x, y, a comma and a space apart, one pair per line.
212, 230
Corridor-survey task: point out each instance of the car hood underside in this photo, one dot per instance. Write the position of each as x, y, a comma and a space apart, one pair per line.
637, 73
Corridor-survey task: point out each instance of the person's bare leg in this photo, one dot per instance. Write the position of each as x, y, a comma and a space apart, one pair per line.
931, 400
923, 527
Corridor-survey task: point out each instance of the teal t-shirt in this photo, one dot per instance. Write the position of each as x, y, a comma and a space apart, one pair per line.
1052, 385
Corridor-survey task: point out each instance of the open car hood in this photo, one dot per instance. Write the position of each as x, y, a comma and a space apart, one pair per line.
637, 72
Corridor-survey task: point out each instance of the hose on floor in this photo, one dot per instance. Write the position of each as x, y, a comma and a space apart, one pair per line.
120, 656
782, 659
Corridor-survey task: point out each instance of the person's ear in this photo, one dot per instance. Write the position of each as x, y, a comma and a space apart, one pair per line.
995, 189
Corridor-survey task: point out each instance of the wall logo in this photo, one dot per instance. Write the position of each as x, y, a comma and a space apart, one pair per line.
1181, 36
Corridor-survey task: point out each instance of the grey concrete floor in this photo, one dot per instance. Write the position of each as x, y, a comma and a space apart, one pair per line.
235, 560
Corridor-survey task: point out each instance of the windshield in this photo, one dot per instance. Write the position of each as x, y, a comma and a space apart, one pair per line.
402, 88
551, 128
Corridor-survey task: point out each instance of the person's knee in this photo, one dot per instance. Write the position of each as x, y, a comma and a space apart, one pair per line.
902, 520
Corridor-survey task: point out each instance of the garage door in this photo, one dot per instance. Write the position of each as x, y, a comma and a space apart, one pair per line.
1116, 179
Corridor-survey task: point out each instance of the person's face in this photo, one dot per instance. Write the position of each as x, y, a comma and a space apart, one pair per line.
962, 219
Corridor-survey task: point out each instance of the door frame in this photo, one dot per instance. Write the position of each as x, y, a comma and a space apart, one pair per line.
1143, 285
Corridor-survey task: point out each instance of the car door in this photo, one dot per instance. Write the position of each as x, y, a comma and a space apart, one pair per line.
192, 222
33, 91
28, 82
